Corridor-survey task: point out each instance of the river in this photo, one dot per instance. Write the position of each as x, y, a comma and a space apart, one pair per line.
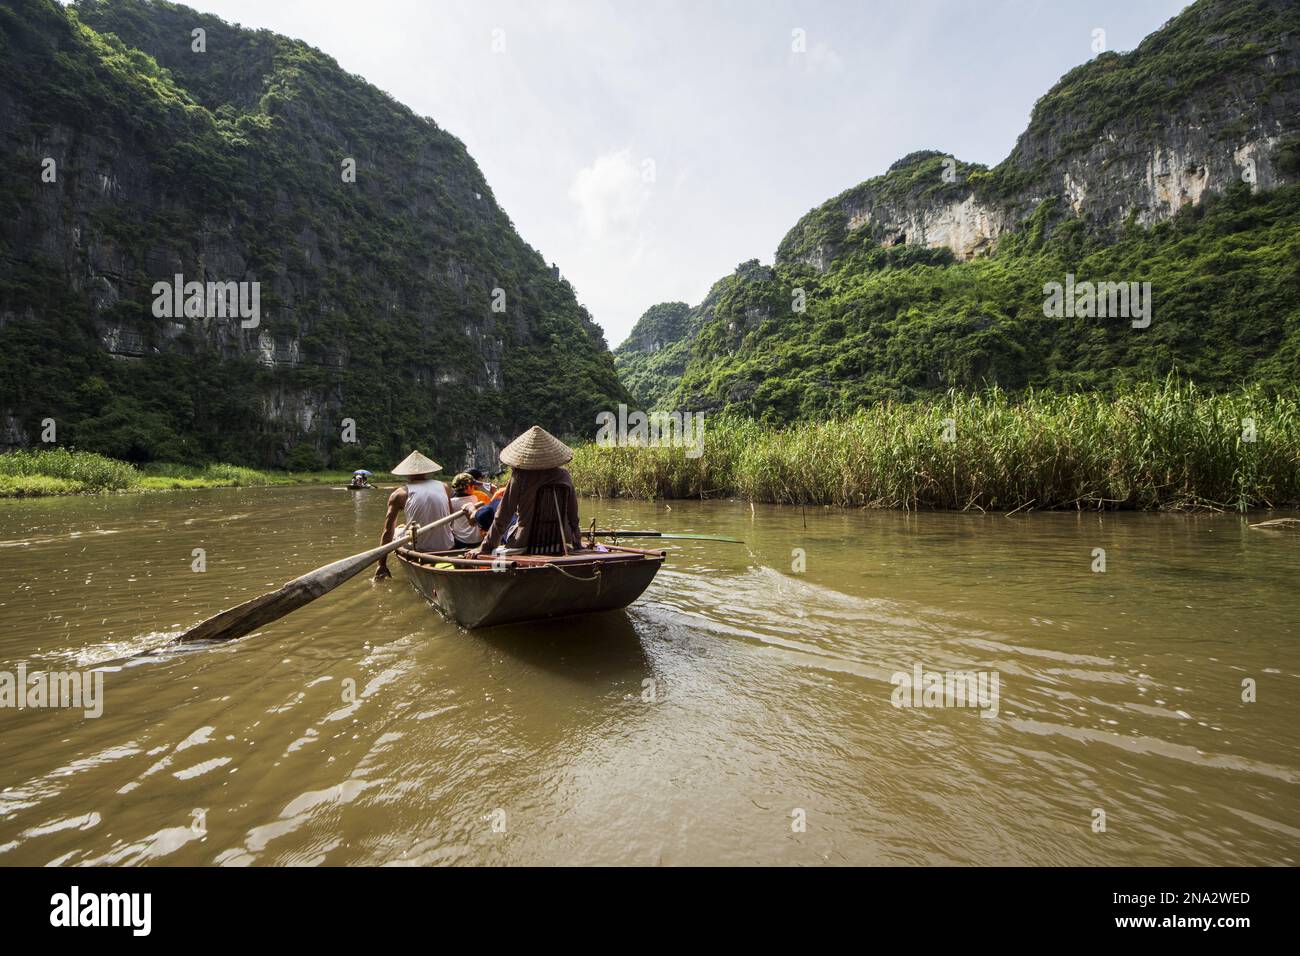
742, 712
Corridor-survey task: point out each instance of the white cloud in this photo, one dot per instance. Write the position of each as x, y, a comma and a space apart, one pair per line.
612, 194
820, 58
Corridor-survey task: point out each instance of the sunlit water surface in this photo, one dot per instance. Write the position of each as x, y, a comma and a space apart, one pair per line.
740, 712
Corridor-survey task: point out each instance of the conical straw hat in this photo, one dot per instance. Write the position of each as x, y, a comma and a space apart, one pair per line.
417, 464
537, 449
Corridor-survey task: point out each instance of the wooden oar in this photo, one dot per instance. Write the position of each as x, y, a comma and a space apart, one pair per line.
249, 616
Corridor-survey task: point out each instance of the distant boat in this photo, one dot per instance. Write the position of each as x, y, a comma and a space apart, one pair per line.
524, 587
362, 474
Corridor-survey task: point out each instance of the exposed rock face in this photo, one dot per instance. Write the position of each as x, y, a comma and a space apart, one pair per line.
924, 199
967, 227
1201, 105
1206, 107
1125, 137
400, 298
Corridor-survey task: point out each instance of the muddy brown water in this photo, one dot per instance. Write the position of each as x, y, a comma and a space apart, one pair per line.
741, 712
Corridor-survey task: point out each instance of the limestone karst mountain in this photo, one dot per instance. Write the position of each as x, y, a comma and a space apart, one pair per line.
394, 292
1174, 164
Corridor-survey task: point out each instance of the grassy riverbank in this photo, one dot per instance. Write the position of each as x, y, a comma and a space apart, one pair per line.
1158, 446
59, 471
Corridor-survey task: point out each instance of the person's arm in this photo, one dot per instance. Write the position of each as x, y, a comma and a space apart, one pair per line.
500, 521
396, 502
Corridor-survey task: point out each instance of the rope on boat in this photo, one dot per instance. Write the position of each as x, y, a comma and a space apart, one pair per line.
578, 577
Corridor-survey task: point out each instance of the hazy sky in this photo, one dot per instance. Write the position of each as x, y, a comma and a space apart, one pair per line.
649, 146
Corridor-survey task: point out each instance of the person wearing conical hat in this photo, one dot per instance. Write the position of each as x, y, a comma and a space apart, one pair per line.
423, 500
535, 458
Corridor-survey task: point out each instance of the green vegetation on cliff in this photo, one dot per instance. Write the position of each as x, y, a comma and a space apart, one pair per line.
1175, 164
1207, 43
654, 355
886, 324
227, 165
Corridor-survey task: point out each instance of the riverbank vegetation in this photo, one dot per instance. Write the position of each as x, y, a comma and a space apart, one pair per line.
1163, 445
60, 471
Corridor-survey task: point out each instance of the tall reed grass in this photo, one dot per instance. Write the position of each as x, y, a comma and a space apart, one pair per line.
1164, 445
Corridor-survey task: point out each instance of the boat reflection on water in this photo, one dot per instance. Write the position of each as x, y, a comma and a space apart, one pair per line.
594, 648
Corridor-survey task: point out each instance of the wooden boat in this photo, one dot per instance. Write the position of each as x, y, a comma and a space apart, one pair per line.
481, 593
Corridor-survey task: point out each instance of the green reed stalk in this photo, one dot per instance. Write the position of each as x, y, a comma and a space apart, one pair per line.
1162, 445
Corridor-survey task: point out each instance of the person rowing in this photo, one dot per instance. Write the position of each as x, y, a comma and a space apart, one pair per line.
539, 494
424, 500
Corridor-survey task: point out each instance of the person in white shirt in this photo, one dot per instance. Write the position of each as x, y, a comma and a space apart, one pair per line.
467, 533
424, 501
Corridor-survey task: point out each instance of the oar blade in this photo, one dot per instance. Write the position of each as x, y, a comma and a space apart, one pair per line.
247, 617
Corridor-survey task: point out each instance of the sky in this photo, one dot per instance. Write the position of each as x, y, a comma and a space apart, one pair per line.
647, 147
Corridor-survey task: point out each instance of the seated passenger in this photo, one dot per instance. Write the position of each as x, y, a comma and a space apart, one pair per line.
466, 532
535, 459
481, 488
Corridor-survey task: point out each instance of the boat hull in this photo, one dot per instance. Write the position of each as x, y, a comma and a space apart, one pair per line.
476, 595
